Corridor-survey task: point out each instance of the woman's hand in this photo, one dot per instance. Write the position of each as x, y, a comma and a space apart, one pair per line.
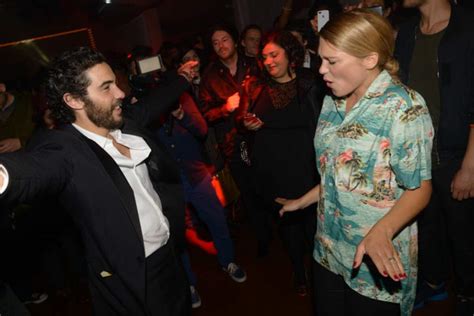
289, 205
312, 196
251, 122
378, 245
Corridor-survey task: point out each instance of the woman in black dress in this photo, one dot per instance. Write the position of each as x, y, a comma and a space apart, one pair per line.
280, 119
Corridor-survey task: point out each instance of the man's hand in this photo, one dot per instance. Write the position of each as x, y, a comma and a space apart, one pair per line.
232, 103
462, 186
9, 145
189, 70
178, 113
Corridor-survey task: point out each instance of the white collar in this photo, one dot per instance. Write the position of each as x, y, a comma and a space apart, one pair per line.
100, 140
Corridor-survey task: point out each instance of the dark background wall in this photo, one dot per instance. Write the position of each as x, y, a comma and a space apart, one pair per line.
116, 27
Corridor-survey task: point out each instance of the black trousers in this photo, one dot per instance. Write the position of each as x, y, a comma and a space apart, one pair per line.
332, 297
254, 207
297, 231
446, 236
167, 289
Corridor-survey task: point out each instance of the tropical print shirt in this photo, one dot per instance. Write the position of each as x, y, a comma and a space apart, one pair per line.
367, 158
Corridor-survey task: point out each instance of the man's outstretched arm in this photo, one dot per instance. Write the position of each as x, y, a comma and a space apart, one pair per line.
24, 176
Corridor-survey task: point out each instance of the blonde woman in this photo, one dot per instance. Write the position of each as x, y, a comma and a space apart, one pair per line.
373, 144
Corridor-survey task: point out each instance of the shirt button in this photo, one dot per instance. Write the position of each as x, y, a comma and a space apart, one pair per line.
172, 145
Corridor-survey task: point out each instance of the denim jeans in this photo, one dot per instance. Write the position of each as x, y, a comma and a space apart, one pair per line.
209, 209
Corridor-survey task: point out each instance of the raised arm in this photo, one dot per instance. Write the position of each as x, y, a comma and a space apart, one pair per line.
284, 17
148, 109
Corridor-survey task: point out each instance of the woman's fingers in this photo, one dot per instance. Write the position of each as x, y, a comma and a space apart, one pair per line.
359, 255
394, 266
253, 125
283, 202
383, 255
288, 205
280, 200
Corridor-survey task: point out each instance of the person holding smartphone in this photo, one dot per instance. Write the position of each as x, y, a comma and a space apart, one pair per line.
280, 122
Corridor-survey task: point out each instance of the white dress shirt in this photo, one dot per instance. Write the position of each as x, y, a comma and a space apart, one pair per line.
154, 225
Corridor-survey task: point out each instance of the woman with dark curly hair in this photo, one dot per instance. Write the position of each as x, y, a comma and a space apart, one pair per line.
281, 117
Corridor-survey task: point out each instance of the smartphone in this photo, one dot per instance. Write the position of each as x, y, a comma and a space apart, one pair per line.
323, 18
150, 64
377, 9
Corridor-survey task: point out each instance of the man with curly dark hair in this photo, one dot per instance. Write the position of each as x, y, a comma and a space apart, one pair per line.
121, 189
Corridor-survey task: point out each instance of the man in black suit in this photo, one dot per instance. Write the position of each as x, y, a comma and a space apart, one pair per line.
122, 190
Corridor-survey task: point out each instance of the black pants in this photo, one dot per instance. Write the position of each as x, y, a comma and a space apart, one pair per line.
445, 231
297, 230
254, 208
332, 297
167, 290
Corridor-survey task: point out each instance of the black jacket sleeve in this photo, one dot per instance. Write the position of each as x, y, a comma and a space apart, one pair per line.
159, 101
42, 169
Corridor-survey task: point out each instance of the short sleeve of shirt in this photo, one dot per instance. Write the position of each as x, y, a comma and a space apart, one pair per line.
411, 141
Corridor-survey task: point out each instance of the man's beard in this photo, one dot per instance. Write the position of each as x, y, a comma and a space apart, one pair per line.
102, 117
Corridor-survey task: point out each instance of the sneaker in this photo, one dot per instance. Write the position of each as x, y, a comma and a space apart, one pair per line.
235, 272
425, 294
36, 298
195, 298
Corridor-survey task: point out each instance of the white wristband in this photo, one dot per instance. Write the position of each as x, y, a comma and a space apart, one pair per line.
4, 173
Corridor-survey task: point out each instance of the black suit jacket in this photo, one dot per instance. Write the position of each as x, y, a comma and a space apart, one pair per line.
89, 184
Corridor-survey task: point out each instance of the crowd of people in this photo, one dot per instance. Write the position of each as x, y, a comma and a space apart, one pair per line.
354, 138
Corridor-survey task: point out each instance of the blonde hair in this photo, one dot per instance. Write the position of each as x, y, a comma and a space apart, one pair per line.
362, 32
